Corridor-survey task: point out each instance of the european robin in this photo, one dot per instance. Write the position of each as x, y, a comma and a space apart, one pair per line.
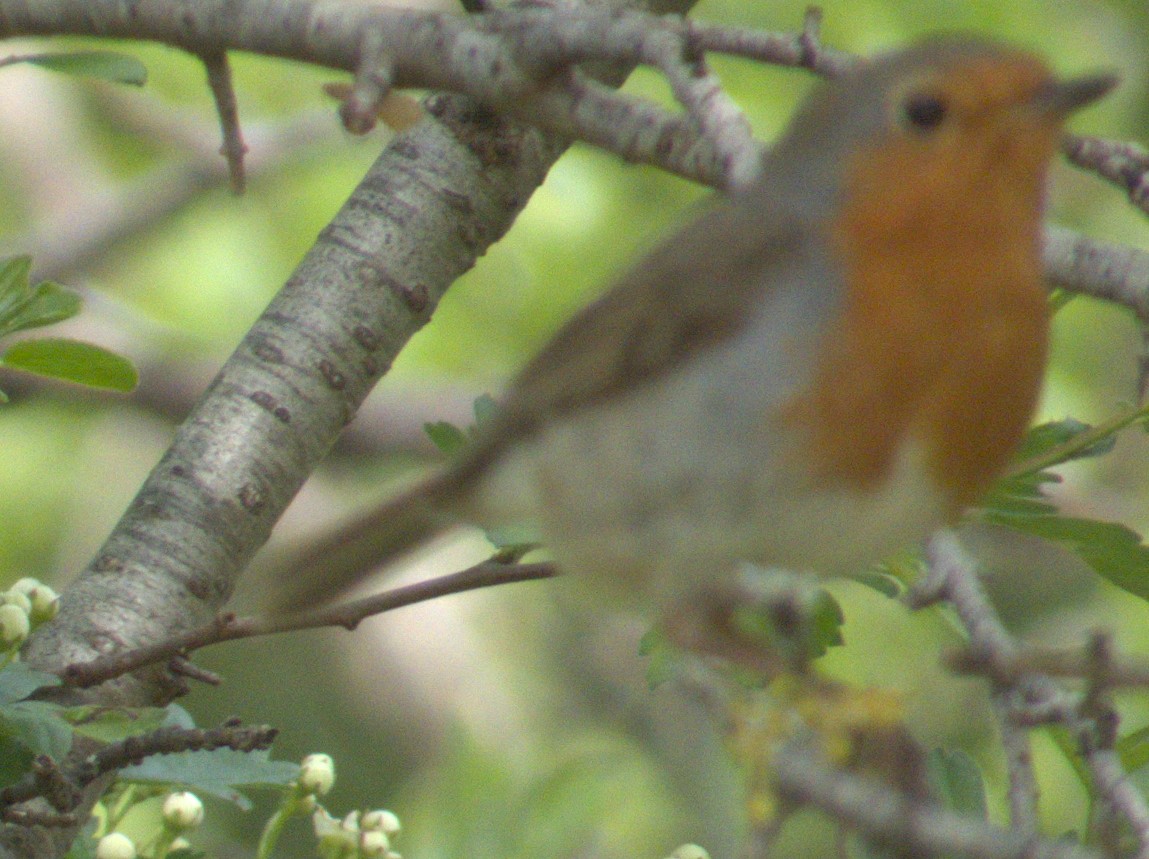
822, 368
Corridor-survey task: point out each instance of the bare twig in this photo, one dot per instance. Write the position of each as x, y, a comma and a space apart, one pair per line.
804, 50
223, 91
61, 786
867, 804
1066, 663
373, 80
1029, 698
1124, 164
229, 627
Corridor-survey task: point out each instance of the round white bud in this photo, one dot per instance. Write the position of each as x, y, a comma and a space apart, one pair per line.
317, 774
689, 851
381, 820
115, 845
18, 599
374, 844
183, 810
14, 626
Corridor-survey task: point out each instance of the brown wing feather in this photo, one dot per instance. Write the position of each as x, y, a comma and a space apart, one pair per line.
683, 297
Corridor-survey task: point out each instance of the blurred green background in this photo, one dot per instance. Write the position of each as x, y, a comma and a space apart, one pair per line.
495, 724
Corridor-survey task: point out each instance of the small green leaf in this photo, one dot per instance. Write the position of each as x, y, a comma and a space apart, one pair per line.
72, 361
186, 853
1068, 440
825, 623
104, 65
956, 778
15, 760
450, 439
1114, 551
513, 536
38, 726
14, 273
15, 293
22, 306
485, 409
47, 304
1134, 750
1070, 748
664, 660
84, 845
883, 583
112, 724
446, 436
18, 681
812, 626
220, 772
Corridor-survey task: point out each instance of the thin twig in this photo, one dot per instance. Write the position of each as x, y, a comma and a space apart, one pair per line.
229, 627
1067, 663
868, 805
373, 80
62, 785
1126, 165
223, 91
1032, 696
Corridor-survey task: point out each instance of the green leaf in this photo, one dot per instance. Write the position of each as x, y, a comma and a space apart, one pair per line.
112, 724
450, 439
513, 537
38, 726
72, 361
104, 65
14, 290
22, 306
1068, 745
825, 619
186, 853
15, 760
220, 772
664, 660
814, 627
1134, 750
178, 717
446, 436
84, 845
957, 780
48, 303
1045, 437
883, 583
18, 681
1113, 551
1068, 440
485, 409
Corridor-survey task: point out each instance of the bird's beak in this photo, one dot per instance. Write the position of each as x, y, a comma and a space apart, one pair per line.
1061, 98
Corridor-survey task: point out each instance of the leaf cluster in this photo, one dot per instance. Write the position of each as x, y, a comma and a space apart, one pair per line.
24, 306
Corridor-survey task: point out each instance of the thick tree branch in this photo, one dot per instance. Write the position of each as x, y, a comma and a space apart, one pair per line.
431, 204
497, 57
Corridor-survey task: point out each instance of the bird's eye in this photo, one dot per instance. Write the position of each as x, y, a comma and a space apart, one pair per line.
924, 111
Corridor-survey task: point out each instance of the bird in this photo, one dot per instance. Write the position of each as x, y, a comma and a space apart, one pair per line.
822, 368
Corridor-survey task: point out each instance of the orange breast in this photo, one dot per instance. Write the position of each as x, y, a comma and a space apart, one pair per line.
943, 335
